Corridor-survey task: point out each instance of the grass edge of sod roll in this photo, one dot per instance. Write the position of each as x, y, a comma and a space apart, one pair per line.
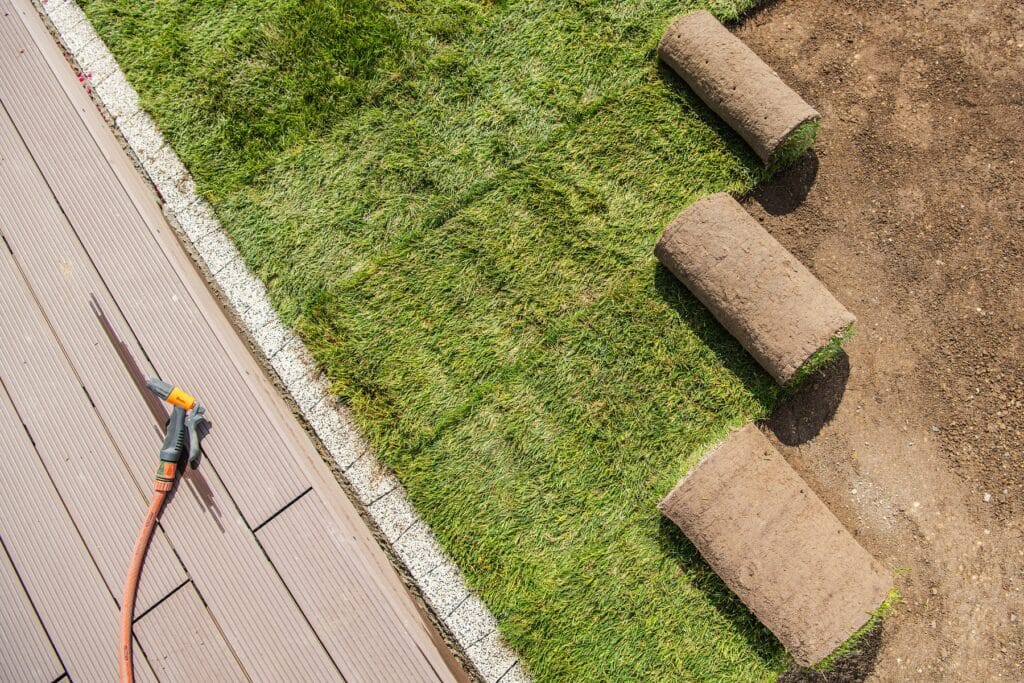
854, 642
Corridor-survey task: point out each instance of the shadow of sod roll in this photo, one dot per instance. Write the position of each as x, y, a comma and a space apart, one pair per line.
738, 86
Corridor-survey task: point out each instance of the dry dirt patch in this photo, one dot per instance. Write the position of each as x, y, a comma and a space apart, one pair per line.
911, 212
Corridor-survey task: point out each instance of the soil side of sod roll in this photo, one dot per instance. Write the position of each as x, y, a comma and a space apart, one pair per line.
777, 546
734, 82
777, 309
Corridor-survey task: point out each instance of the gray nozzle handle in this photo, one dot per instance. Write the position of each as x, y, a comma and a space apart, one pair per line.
174, 442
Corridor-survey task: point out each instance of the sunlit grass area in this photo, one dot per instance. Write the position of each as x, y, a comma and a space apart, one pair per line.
455, 205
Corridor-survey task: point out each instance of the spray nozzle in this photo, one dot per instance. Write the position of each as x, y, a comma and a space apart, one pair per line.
171, 393
186, 417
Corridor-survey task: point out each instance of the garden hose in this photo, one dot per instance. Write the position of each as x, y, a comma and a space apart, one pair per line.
182, 430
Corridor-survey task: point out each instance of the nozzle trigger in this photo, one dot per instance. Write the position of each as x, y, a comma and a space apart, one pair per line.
196, 417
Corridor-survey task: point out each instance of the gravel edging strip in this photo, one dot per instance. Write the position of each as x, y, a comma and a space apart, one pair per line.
439, 580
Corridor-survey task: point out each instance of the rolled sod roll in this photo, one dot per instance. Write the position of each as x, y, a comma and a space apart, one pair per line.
735, 83
777, 546
761, 293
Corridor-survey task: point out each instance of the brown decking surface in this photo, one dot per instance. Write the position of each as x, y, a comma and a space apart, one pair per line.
261, 567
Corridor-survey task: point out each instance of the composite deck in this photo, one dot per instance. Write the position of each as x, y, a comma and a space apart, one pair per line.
261, 567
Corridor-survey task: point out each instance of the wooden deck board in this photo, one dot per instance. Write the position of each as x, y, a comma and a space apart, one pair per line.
84, 464
25, 649
337, 590
112, 242
152, 295
210, 537
182, 642
56, 568
245, 595
222, 555
270, 634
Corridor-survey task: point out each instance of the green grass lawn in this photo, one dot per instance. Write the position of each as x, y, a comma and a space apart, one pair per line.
455, 204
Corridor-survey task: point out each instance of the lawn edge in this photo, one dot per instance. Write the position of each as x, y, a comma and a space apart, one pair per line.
466, 622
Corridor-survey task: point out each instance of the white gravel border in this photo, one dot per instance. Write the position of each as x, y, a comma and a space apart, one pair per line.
439, 579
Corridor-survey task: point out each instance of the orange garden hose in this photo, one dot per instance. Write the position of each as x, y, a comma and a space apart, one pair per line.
161, 487
182, 432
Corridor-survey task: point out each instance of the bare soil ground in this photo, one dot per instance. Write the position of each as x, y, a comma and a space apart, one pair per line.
912, 211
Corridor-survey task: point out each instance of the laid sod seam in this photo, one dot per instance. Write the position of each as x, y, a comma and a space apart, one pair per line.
462, 236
